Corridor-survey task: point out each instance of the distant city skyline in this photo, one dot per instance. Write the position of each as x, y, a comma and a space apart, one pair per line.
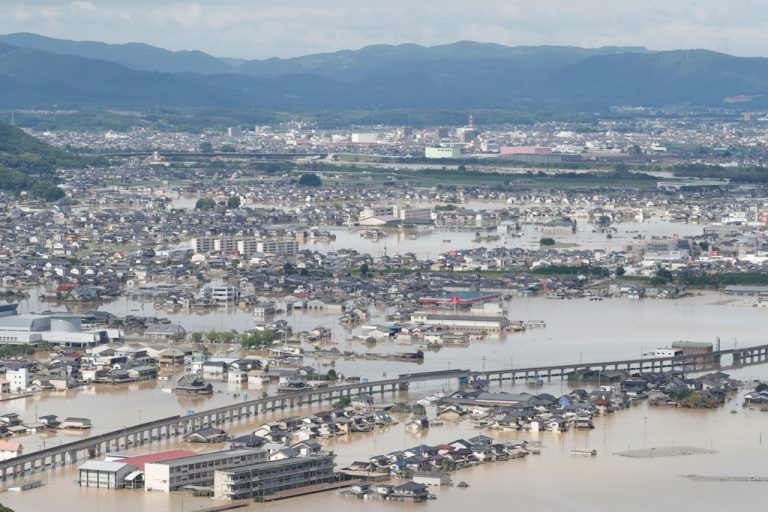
254, 29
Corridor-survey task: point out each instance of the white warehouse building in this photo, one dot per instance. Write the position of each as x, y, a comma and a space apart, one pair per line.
59, 329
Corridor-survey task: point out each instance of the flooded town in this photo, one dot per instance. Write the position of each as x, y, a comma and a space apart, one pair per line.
216, 331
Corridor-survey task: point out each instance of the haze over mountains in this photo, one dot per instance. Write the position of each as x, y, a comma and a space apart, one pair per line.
40, 72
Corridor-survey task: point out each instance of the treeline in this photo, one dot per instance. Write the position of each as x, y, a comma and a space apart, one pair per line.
699, 279
574, 270
197, 120
254, 339
753, 174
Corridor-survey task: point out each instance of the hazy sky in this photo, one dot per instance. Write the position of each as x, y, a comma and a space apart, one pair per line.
284, 28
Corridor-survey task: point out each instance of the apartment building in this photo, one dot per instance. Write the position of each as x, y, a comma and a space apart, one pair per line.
267, 478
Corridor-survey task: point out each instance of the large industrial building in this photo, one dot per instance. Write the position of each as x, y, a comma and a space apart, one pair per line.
443, 152
461, 323
58, 328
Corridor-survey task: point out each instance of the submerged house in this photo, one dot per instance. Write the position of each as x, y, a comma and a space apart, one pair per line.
206, 435
192, 385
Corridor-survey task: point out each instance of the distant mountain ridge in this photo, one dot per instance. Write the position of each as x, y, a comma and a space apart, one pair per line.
138, 56
39, 72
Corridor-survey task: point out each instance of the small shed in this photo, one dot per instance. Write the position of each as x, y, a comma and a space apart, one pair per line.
431, 478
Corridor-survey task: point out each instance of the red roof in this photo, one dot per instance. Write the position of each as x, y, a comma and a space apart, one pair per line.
157, 457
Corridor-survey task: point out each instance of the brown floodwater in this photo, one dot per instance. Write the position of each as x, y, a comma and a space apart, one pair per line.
555, 478
576, 329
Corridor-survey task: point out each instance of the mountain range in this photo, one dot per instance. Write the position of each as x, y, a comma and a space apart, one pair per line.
41, 72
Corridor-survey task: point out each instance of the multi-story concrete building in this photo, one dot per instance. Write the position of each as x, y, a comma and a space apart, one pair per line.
221, 293
247, 246
377, 211
283, 247
19, 379
411, 215
203, 244
263, 479
199, 470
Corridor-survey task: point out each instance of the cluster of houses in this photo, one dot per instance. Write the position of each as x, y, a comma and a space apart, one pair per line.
444, 457
425, 466
129, 362
40, 242
577, 409
525, 411
12, 425
358, 417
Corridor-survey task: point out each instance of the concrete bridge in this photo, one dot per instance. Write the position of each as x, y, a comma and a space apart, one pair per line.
175, 426
686, 363
180, 425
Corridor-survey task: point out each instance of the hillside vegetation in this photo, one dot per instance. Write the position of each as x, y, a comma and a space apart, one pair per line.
27, 164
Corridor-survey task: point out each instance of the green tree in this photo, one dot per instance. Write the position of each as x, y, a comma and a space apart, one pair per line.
233, 203
546, 241
212, 336
257, 339
310, 180
197, 337
344, 401
662, 276
46, 191
331, 375
620, 271
206, 147
364, 269
288, 268
205, 204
